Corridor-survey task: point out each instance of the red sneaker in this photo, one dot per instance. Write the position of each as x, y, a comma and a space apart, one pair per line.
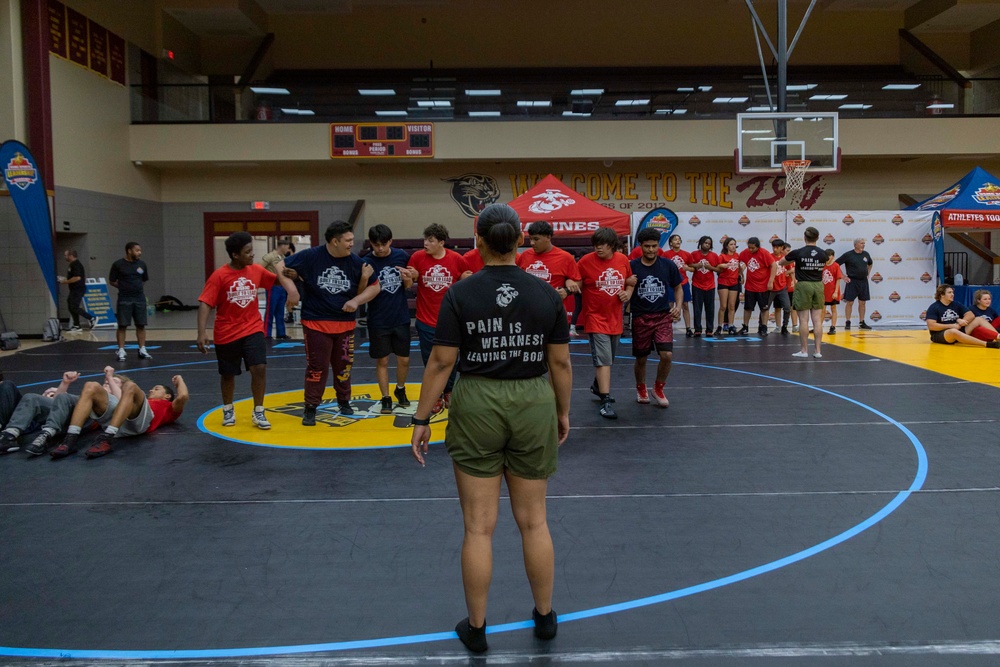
658, 397
641, 395
103, 448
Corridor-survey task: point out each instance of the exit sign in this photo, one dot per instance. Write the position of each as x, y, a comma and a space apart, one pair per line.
260, 206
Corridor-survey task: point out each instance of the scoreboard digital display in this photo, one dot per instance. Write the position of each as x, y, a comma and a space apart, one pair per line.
381, 140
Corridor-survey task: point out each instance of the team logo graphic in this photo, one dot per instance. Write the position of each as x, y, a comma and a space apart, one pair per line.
20, 172
242, 292
942, 198
798, 219
473, 192
895, 259
949, 316
694, 221
506, 295
988, 194
744, 221
894, 297
897, 219
390, 279
878, 239
334, 281
438, 278
937, 229
927, 239
539, 270
773, 238
848, 220
876, 316
367, 428
827, 277
611, 282
925, 277
753, 265
829, 239
550, 201
651, 288
876, 278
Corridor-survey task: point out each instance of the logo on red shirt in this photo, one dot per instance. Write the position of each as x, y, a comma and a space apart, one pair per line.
438, 278
539, 270
611, 282
242, 292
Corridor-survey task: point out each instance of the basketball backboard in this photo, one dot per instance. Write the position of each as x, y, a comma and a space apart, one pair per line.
764, 140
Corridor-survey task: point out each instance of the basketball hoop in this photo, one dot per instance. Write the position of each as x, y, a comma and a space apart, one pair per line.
795, 173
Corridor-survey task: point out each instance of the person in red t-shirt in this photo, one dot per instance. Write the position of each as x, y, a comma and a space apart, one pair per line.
239, 332
705, 264
434, 271
135, 413
730, 284
682, 258
780, 299
473, 262
607, 283
760, 272
553, 265
831, 287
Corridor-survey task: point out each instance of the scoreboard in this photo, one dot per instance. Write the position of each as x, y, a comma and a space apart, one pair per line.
381, 140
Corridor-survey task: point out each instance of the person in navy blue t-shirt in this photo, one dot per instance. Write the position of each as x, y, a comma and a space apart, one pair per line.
330, 274
389, 315
655, 304
950, 322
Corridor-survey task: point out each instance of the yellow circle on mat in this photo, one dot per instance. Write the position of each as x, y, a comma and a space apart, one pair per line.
367, 428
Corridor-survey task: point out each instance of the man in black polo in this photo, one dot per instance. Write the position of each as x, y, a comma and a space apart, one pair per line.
76, 280
857, 264
127, 276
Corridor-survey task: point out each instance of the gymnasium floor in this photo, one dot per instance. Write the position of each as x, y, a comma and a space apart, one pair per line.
834, 511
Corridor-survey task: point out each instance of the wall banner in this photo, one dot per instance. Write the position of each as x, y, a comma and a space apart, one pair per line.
24, 181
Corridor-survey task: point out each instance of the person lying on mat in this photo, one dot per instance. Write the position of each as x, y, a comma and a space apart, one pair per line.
981, 307
950, 322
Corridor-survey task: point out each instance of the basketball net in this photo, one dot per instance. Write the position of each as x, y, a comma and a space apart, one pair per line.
795, 173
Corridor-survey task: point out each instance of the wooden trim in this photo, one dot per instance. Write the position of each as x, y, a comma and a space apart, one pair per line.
257, 223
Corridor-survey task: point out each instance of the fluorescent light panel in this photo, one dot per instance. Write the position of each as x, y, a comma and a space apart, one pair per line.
730, 100
534, 103
298, 112
376, 91
587, 91
828, 97
390, 113
483, 93
433, 103
855, 106
573, 113
941, 105
484, 114
801, 86
631, 103
269, 91
901, 86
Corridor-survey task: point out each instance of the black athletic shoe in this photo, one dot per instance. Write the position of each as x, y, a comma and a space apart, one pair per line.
995, 344
745, 331
847, 325
401, 398
597, 392
697, 333
607, 411
761, 331
784, 331
309, 416
718, 331
39, 445
732, 330
832, 331
864, 326
67, 447
689, 333
386, 405
345, 407
8, 443
473, 638
545, 626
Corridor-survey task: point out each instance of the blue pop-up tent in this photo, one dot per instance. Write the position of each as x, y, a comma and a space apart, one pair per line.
971, 204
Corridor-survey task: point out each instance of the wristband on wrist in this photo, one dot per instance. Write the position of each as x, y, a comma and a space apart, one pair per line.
420, 422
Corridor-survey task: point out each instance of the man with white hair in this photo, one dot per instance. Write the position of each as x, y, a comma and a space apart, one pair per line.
858, 265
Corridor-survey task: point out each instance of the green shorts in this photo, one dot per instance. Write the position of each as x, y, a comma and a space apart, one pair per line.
497, 425
808, 296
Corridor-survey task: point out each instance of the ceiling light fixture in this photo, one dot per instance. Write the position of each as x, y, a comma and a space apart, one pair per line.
376, 91
269, 91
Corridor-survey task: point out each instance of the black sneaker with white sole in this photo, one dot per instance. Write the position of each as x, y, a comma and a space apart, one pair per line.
607, 411
386, 408
401, 398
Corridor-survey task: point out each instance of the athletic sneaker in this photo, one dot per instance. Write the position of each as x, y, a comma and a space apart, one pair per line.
120, 354
260, 420
345, 407
832, 331
761, 331
689, 333
597, 392
801, 355
39, 445
995, 344
864, 325
784, 331
718, 331
732, 330
309, 416
8, 443
401, 398
75, 329
697, 333
572, 330
102, 448
386, 405
745, 331
847, 325
817, 355
659, 397
641, 394
607, 411
229, 416
795, 328
67, 447
546, 626
143, 354
94, 321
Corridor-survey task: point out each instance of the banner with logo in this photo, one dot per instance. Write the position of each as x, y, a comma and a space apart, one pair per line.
24, 181
97, 301
765, 225
901, 244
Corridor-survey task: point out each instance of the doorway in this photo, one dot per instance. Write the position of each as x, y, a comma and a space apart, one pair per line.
266, 227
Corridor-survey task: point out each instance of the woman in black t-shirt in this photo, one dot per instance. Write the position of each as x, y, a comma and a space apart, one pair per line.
506, 329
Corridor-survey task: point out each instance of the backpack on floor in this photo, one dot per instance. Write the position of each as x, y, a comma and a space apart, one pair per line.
9, 341
51, 330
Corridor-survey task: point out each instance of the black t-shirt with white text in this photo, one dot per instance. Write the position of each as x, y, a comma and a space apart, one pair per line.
501, 319
809, 262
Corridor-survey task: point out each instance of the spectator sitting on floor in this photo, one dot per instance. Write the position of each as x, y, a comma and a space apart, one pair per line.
31, 411
981, 307
951, 322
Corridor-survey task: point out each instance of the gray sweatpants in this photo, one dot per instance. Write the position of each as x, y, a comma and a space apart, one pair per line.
36, 410
10, 396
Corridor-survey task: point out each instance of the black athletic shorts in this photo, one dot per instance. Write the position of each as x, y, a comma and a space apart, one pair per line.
251, 350
857, 289
761, 300
383, 342
938, 337
129, 311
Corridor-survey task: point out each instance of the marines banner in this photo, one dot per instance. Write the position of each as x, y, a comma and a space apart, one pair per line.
24, 181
